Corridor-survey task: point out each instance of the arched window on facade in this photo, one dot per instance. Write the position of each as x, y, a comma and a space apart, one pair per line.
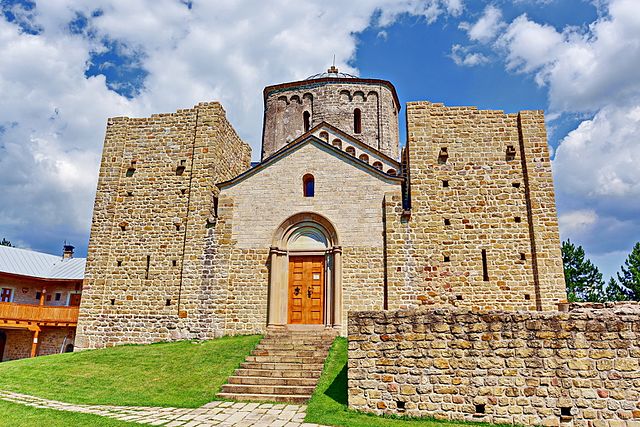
392, 172
324, 136
357, 121
337, 143
306, 118
377, 165
308, 185
364, 158
350, 150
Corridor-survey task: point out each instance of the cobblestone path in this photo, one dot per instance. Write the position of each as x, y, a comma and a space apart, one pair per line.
236, 414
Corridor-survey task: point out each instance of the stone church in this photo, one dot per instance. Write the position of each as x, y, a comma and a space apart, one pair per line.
190, 240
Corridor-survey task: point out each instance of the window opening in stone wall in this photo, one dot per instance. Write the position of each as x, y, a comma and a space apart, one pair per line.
357, 121
515, 185
129, 193
324, 136
308, 185
58, 296
306, 118
337, 143
392, 172
113, 301
447, 258
443, 155
517, 219
523, 256
364, 158
447, 221
511, 153
527, 297
146, 272
351, 151
400, 405
132, 169
123, 226
377, 165
565, 414
215, 206
182, 165
445, 183
119, 263
459, 297
177, 227
485, 270
174, 263
168, 302
480, 408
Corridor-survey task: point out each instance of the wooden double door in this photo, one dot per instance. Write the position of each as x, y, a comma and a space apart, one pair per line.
306, 289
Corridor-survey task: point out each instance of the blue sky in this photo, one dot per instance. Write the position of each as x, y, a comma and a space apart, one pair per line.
68, 65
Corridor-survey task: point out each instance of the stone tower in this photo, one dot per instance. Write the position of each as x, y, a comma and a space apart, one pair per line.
367, 109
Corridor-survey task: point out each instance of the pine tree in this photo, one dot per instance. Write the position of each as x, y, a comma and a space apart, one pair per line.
615, 292
629, 275
583, 279
5, 242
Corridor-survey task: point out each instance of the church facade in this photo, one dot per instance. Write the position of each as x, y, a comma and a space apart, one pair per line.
189, 240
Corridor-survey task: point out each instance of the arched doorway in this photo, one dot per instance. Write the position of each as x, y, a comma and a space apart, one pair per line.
3, 342
305, 285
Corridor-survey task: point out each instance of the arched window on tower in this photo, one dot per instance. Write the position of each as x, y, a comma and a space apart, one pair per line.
306, 118
308, 185
357, 121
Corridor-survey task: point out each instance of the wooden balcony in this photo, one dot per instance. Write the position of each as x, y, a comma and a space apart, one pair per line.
32, 316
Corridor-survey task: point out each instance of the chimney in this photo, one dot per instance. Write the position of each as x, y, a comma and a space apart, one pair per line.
67, 251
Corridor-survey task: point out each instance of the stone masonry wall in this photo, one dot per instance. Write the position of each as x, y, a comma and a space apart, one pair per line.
334, 103
481, 193
18, 345
579, 368
154, 200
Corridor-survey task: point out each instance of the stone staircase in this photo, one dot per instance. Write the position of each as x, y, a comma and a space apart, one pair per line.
284, 367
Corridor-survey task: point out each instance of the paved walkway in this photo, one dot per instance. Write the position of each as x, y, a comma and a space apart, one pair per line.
236, 414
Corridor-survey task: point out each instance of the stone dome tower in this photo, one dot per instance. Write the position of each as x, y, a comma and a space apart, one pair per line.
366, 109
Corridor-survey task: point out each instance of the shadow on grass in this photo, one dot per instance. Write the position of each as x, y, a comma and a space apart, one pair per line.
338, 388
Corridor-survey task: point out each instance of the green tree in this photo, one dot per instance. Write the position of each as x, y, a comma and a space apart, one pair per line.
629, 275
5, 242
615, 292
583, 279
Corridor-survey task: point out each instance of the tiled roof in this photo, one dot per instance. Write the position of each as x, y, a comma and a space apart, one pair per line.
38, 264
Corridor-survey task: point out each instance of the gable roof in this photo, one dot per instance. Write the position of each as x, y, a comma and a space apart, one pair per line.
307, 138
23, 262
354, 141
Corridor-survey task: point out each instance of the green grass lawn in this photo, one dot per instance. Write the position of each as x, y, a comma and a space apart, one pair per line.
329, 402
16, 415
182, 374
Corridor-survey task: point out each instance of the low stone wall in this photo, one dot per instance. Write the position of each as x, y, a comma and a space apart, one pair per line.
577, 368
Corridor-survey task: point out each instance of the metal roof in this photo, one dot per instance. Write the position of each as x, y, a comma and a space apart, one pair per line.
37, 264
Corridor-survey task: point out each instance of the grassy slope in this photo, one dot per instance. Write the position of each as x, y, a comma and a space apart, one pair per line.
183, 374
15, 415
329, 402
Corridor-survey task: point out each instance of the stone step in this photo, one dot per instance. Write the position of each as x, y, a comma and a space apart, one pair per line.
282, 366
268, 389
289, 353
293, 347
276, 373
299, 399
256, 380
285, 359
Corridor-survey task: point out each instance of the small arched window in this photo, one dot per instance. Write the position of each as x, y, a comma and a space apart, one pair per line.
364, 158
306, 118
324, 136
350, 150
357, 121
391, 172
337, 143
377, 165
308, 185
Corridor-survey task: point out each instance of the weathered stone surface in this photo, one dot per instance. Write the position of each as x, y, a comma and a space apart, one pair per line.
549, 376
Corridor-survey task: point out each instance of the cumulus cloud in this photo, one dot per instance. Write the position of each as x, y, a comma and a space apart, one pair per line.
59, 79
486, 27
577, 222
462, 55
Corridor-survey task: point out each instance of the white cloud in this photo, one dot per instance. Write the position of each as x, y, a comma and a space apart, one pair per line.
462, 56
486, 27
52, 116
577, 222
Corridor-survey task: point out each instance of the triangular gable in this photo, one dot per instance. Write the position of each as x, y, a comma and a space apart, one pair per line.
304, 139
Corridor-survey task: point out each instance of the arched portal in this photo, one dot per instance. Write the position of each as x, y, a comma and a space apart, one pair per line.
305, 285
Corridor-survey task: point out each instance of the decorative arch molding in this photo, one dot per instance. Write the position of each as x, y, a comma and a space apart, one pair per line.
302, 234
